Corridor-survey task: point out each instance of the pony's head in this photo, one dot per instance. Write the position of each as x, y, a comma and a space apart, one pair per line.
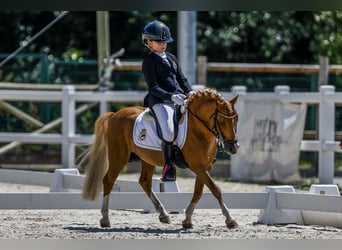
218, 115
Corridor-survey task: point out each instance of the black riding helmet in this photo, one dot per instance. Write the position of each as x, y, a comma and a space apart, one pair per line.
156, 31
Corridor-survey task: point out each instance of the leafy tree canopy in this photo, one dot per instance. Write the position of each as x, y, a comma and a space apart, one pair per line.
253, 36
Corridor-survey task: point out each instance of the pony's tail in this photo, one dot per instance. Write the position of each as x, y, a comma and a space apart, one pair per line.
97, 159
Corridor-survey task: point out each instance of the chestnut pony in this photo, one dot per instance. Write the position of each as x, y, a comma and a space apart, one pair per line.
209, 117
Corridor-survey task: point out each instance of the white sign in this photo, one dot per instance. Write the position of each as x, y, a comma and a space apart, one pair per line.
269, 133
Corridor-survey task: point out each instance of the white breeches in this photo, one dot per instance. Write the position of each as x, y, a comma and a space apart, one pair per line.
164, 113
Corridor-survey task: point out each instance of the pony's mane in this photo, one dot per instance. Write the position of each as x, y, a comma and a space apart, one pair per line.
211, 93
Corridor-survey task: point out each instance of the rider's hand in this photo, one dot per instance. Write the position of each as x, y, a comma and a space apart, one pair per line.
191, 92
178, 99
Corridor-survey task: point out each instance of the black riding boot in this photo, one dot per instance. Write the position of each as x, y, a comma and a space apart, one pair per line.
169, 170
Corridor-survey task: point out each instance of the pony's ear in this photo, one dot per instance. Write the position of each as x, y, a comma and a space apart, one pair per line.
233, 101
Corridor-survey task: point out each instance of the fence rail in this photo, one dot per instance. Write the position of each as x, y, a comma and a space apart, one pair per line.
247, 67
326, 98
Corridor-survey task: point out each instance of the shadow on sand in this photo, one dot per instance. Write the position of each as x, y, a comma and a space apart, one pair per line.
86, 229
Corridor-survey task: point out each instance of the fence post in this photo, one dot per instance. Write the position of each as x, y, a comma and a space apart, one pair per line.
202, 70
323, 74
282, 89
326, 132
68, 127
103, 107
240, 91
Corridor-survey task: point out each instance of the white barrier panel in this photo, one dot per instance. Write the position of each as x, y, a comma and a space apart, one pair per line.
278, 205
128, 200
324, 218
25, 177
272, 214
286, 207
61, 182
69, 179
325, 203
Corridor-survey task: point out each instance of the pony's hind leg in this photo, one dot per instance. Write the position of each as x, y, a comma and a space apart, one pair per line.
108, 182
115, 167
145, 181
104, 222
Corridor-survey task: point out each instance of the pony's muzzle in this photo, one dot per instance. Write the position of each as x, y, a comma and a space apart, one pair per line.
231, 147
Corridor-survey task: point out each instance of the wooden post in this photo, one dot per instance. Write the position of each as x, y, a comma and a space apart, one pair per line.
323, 75
202, 70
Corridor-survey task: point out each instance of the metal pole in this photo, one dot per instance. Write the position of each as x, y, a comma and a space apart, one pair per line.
103, 38
187, 44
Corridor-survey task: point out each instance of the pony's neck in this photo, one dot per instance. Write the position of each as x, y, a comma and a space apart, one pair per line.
204, 109
202, 115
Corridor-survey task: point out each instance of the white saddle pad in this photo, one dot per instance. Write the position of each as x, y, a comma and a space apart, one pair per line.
145, 132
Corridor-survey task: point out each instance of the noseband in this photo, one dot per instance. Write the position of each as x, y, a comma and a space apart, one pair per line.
217, 131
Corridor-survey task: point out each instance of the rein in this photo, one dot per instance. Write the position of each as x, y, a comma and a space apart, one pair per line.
214, 132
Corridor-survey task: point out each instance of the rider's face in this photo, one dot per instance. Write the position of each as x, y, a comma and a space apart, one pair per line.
158, 46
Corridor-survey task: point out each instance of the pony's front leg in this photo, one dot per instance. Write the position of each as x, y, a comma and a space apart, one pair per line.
187, 223
198, 190
104, 222
230, 222
203, 177
163, 214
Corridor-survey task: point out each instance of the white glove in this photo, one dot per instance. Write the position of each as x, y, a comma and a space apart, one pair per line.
191, 92
178, 99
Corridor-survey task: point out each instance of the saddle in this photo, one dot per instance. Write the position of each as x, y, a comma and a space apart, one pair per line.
146, 134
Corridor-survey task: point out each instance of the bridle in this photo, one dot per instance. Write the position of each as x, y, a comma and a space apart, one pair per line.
216, 130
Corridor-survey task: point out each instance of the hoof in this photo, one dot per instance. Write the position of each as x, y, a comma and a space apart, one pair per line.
104, 223
187, 225
164, 219
231, 224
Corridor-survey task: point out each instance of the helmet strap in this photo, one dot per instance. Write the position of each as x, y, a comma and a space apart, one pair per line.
149, 47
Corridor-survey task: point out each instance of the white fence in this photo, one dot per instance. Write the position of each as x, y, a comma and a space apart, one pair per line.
326, 98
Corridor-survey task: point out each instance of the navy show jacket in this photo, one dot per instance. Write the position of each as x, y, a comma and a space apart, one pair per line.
163, 80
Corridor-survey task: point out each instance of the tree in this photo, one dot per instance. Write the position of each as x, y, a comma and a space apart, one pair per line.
230, 36
329, 35
269, 37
